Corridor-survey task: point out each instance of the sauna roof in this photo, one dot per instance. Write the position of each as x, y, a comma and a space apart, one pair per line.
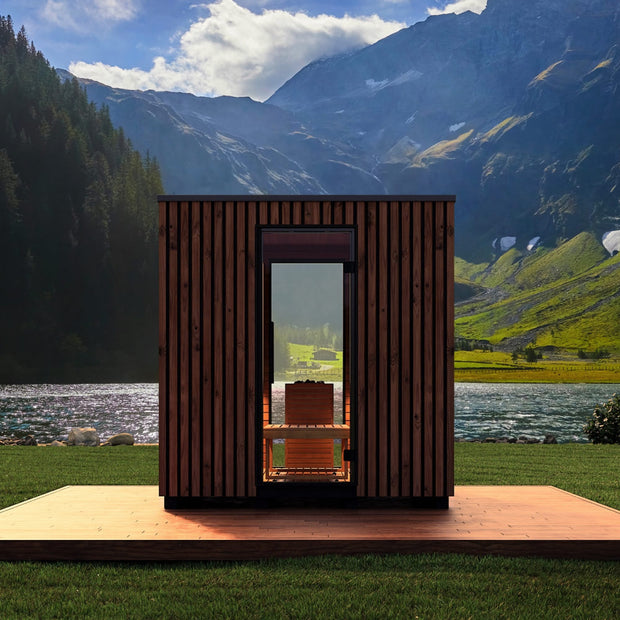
305, 198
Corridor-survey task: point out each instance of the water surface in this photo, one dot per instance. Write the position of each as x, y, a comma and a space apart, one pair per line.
482, 409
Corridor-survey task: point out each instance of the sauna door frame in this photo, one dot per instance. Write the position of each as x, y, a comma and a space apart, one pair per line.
310, 490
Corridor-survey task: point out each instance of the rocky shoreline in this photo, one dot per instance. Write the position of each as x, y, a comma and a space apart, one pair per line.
549, 439
90, 437
77, 437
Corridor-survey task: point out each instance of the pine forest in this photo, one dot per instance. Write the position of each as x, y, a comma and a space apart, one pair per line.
78, 231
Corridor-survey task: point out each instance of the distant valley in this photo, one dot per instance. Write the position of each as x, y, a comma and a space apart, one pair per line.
560, 300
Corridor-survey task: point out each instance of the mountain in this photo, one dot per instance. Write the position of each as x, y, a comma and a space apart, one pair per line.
565, 298
514, 110
228, 145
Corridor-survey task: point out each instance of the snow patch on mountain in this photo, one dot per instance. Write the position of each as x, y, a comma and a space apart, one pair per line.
374, 85
403, 78
503, 244
407, 76
532, 243
456, 126
611, 241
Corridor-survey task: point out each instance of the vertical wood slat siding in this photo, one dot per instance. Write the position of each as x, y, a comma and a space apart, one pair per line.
207, 351
403, 308
449, 333
173, 381
439, 349
404, 334
417, 335
184, 351
230, 335
250, 349
371, 335
428, 347
242, 352
196, 339
396, 328
164, 410
383, 358
218, 353
360, 308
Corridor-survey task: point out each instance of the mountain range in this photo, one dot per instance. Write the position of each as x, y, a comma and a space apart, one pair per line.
514, 110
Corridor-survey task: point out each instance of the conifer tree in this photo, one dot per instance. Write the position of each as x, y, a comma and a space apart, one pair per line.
78, 231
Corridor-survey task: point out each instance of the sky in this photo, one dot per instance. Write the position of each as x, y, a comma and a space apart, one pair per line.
210, 48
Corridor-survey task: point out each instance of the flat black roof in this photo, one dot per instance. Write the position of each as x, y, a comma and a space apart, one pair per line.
305, 198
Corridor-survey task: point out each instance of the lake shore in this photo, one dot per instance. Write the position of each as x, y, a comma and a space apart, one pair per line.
502, 367
535, 375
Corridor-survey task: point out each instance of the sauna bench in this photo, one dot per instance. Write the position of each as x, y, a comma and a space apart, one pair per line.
306, 431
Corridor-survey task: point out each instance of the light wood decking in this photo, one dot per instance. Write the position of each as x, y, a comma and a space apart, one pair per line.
130, 523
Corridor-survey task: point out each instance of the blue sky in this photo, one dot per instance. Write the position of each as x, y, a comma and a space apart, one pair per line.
213, 47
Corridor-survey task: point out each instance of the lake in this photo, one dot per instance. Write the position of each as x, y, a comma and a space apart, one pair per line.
482, 409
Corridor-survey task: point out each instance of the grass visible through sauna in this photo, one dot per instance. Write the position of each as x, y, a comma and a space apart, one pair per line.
407, 586
278, 453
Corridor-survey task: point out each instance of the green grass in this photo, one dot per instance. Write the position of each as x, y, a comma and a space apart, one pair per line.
278, 454
28, 472
466, 270
576, 256
305, 352
566, 297
538, 373
408, 586
483, 359
499, 367
423, 586
583, 469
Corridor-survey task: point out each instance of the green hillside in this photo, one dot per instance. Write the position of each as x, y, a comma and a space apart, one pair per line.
567, 298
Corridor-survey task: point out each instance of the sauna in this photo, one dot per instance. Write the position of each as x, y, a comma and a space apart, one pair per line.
306, 349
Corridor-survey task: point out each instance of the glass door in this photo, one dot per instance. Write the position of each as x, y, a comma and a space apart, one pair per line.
307, 329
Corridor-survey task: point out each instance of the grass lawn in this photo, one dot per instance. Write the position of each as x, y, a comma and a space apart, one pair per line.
499, 367
424, 586
331, 370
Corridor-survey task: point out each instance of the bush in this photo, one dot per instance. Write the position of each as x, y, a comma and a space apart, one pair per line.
531, 355
599, 354
604, 425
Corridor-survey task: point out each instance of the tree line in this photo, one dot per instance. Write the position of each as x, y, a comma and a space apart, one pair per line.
78, 231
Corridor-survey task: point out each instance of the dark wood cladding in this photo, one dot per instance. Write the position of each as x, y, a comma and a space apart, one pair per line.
207, 348
210, 404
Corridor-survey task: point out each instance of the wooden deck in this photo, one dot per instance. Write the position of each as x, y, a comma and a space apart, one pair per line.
129, 523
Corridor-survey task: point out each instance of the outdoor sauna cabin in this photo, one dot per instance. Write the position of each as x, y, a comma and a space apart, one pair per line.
253, 290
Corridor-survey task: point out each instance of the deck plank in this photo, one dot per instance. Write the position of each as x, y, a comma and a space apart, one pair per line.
130, 523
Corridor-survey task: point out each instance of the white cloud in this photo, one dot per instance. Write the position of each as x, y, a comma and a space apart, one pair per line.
460, 6
86, 16
234, 51
115, 10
